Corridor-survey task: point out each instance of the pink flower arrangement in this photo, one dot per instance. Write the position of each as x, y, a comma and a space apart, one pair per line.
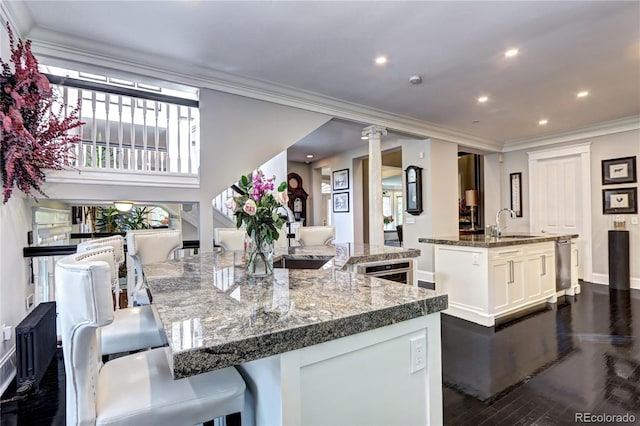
255, 206
33, 137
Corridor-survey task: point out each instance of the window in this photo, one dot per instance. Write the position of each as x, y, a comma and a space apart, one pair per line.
399, 210
387, 213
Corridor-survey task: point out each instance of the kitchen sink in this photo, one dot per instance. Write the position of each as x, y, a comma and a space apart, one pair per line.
296, 263
502, 237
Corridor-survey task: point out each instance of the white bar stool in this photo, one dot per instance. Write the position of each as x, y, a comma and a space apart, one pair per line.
132, 390
132, 329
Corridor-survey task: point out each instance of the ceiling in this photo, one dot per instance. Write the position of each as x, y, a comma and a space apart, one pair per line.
328, 48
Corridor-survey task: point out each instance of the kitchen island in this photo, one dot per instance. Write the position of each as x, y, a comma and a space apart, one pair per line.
495, 279
321, 346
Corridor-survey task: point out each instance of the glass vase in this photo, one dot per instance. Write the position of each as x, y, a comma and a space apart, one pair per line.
259, 257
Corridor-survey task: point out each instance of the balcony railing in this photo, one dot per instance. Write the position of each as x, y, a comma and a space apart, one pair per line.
132, 131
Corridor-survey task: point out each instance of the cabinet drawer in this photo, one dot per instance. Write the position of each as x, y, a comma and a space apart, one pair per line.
540, 248
506, 253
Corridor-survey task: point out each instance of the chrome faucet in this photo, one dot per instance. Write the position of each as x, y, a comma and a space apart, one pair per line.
498, 228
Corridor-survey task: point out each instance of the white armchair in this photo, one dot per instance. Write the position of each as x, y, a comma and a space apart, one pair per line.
135, 389
229, 238
149, 246
316, 235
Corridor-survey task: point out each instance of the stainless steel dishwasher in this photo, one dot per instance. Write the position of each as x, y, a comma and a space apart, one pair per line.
563, 264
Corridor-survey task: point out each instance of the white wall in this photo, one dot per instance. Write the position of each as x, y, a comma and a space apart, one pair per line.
349, 225
514, 162
492, 184
440, 200
439, 160
276, 166
15, 222
603, 148
610, 146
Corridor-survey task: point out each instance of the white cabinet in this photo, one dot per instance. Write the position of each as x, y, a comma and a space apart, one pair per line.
484, 284
540, 275
506, 278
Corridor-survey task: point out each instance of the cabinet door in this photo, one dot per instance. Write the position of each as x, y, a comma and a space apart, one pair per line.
515, 286
533, 277
499, 275
540, 276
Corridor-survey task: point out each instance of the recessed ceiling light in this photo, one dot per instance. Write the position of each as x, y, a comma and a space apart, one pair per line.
309, 155
381, 60
483, 99
364, 138
583, 94
510, 53
543, 122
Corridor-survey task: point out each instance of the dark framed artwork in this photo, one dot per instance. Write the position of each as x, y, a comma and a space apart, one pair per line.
620, 201
515, 180
619, 170
340, 180
413, 184
340, 202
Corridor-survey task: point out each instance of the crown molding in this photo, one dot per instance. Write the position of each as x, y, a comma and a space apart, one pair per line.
16, 14
56, 46
601, 129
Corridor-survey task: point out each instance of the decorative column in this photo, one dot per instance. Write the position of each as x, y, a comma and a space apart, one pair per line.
376, 224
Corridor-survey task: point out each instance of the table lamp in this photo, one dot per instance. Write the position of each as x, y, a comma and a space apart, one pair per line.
471, 199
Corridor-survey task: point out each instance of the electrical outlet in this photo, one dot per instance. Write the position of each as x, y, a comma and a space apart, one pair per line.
6, 332
29, 301
418, 354
409, 220
634, 220
475, 259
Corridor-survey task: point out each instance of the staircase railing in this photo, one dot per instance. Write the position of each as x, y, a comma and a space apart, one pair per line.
220, 200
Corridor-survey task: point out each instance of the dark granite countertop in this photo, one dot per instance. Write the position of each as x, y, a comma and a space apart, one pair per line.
215, 316
505, 240
350, 254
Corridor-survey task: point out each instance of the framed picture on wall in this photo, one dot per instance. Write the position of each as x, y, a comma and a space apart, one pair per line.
619, 170
515, 180
340, 202
341, 180
620, 201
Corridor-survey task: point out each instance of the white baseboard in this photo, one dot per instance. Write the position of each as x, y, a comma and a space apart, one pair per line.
427, 276
604, 279
7, 369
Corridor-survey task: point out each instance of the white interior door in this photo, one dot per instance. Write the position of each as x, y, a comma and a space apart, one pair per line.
560, 201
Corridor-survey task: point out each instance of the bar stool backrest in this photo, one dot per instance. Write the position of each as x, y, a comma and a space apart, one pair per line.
316, 235
83, 294
230, 238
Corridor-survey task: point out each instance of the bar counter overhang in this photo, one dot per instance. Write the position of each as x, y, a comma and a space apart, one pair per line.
304, 338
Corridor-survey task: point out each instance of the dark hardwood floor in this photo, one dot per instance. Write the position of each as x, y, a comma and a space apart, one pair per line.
581, 357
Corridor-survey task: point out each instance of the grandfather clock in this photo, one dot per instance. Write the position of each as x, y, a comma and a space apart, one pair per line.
297, 197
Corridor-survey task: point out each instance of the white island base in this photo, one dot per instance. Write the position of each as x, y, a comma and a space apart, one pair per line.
361, 379
486, 285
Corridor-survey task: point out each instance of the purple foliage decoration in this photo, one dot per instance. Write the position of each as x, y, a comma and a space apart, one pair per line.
33, 137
